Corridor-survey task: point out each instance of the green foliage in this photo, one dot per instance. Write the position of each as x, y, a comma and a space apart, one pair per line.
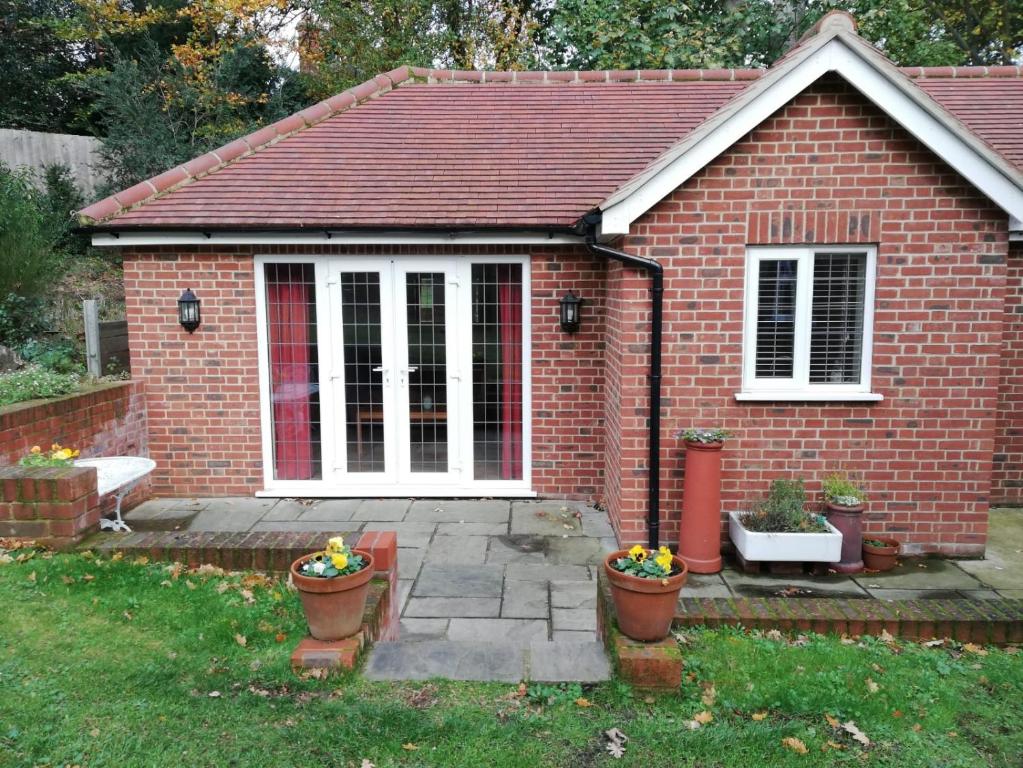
33, 383
21, 319
552, 694
705, 436
838, 486
55, 353
30, 255
783, 511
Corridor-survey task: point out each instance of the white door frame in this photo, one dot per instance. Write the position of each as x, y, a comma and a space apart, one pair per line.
459, 345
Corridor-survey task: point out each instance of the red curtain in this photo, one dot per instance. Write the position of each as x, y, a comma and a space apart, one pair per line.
509, 303
289, 299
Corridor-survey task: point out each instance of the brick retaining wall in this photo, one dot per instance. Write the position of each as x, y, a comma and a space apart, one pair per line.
54, 505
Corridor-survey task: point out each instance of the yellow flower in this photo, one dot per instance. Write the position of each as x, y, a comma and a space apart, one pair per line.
336, 544
76, 454
664, 561
664, 551
638, 554
340, 561
36, 449
63, 453
55, 447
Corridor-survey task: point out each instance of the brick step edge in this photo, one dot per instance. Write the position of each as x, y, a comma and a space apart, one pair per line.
267, 551
994, 622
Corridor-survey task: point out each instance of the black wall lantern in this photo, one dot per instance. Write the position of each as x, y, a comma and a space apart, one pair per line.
571, 306
188, 311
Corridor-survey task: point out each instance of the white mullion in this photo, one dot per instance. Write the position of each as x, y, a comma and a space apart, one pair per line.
466, 458
802, 321
326, 368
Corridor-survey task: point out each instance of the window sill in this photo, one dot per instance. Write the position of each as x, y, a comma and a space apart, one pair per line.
810, 396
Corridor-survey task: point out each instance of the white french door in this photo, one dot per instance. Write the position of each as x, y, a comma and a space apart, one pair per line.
405, 376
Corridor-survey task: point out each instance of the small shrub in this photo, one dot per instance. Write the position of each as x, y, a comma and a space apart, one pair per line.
840, 489
55, 354
21, 319
35, 382
783, 511
705, 436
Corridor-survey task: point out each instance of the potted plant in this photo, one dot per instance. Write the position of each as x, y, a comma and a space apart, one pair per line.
333, 585
880, 554
843, 502
699, 540
780, 529
644, 587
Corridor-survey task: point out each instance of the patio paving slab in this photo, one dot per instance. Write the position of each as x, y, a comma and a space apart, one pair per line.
448, 607
1002, 566
574, 619
532, 572
568, 660
574, 594
331, 510
452, 660
409, 562
518, 631
915, 594
286, 509
705, 585
469, 550
769, 585
545, 518
472, 529
573, 636
459, 581
409, 534
516, 549
458, 511
920, 573
1011, 594
417, 630
525, 600
227, 519
575, 551
333, 528
382, 510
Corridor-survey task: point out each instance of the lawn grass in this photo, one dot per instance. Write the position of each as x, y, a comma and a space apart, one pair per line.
113, 664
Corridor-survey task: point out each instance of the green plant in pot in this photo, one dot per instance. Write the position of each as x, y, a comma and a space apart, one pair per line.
333, 585
880, 554
644, 587
844, 503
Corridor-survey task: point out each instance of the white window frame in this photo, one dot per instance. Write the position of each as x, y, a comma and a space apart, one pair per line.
799, 387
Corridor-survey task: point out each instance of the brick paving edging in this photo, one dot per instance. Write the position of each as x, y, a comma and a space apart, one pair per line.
266, 551
995, 622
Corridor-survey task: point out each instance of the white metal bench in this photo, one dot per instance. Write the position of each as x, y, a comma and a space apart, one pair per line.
117, 475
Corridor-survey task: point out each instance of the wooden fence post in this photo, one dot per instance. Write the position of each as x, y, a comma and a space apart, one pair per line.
92, 351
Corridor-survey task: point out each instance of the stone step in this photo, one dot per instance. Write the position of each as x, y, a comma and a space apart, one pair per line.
509, 662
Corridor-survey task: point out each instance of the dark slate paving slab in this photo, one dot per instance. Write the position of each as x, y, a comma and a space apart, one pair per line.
459, 581
448, 659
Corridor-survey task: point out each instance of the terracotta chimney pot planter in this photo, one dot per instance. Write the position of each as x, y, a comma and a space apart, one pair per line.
699, 543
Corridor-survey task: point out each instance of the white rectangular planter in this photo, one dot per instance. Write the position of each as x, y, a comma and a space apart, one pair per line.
787, 547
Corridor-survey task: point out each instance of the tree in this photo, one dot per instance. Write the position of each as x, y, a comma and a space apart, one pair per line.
30, 254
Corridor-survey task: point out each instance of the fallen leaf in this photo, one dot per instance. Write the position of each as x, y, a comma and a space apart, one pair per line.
615, 742
796, 745
166, 583
834, 745
67, 579
897, 713
709, 694
94, 732
872, 687
280, 637
917, 727
247, 596
933, 643
117, 557
886, 637
971, 648
583, 702
410, 747
88, 577
366, 764
128, 616
616, 751
850, 728
241, 640
32, 577
703, 718
140, 560
692, 725
832, 721
214, 694
189, 584
773, 634
758, 716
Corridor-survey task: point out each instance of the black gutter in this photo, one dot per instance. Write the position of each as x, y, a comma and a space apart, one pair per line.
656, 272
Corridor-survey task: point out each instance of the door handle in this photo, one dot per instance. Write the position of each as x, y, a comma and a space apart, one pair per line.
386, 372
403, 371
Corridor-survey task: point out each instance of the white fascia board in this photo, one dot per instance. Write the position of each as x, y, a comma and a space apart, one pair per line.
134, 240
979, 166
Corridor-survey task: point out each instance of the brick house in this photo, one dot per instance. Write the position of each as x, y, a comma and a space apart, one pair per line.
380, 276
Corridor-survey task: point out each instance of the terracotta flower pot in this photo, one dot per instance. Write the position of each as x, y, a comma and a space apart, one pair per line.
334, 607
699, 540
645, 607
849, 521
881, 558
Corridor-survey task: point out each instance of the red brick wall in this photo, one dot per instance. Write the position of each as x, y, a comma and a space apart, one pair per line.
926, 450
1007, 477
55, 505
203, 389
107, 420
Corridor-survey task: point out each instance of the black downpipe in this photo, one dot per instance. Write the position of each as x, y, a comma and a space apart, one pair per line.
656, 272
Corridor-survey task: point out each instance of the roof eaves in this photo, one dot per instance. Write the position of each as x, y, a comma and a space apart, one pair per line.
216, 159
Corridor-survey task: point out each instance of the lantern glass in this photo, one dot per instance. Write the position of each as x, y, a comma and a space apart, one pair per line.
570, 312
188, 311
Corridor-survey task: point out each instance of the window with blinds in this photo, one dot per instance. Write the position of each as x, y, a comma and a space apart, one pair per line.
808, 321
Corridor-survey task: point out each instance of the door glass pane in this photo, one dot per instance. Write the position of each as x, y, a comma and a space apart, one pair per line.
776, 319
294, 370
427, 371
497, 371
363, 359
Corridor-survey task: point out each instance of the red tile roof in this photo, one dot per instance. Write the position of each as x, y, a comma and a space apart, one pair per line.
441, 148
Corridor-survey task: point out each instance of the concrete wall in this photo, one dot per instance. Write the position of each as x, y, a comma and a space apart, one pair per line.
37, 150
